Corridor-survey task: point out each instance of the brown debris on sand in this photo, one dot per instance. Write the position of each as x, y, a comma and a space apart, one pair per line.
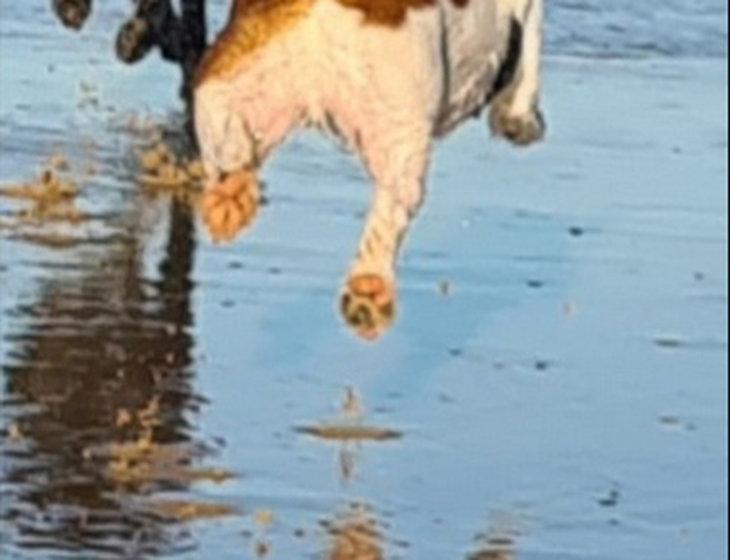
349, 427
349, 432
14, 433
48, 189
142, 462
355, 536
183, 510
499, 541
51, 196
162, 169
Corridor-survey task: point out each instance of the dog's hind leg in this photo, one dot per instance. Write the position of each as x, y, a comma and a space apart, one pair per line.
515, 112
193, 40
181, 39
154, 24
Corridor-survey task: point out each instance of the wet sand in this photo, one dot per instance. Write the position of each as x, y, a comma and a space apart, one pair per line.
555, 380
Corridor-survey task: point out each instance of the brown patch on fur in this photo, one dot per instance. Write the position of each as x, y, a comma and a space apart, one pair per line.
386, 12
252, 23
391, 12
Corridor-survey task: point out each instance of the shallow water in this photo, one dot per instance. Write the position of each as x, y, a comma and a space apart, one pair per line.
554, 384
629, 29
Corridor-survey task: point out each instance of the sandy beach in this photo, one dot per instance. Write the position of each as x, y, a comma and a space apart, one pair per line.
554, 386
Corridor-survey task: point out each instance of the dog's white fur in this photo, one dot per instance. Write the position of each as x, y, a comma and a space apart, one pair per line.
386, 92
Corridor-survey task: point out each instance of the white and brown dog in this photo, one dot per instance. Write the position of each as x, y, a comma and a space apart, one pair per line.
387, 77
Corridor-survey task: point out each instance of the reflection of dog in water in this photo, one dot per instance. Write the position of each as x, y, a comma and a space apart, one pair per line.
101, 381
386, 78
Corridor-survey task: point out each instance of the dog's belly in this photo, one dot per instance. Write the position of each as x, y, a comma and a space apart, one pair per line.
456, 49
331, 69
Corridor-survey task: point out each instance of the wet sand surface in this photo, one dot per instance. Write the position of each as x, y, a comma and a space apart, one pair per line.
554, 386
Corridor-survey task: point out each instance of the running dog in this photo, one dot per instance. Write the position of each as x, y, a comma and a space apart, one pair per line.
386, 77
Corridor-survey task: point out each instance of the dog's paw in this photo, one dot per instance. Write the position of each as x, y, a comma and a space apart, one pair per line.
368, 304
520, 129
72, 13
134, 40
230, 206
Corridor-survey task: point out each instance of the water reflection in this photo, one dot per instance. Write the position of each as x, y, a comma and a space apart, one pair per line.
355, 534
100, 402
495, 550
350, 432
499, 542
